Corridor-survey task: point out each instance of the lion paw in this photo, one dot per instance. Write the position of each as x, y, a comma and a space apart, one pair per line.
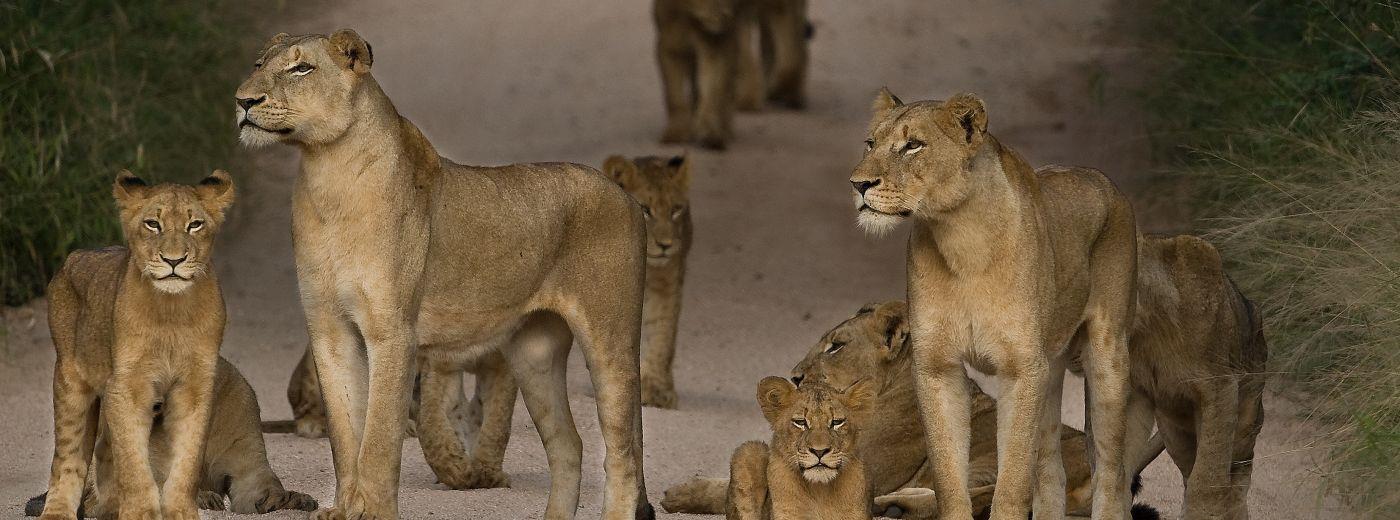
183, 512
288, 500
209, 500
657, 394
907, 503
473, 475
311, 427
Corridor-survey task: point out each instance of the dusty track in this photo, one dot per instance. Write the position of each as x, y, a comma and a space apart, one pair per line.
777, 257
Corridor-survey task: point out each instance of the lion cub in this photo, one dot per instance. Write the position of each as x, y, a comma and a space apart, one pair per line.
138, 330
662, 186
810, 470
705, 52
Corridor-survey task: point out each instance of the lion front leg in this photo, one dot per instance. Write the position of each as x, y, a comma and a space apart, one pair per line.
186, 418
945, 405
748, 483
127, 409
660, 316
1020, 412
343, 374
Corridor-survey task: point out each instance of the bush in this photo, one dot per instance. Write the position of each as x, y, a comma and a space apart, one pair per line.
89, 88
1283, 118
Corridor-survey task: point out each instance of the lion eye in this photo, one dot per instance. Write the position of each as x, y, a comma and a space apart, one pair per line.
801, 424
152, 224
195, 225
646, 211
677, 213
837, 423
257, 65
869, 144
835, 347
913, 146
301, 69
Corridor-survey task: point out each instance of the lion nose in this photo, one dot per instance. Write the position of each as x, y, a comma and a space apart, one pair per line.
172, 261
248, 103
819, 452
664, 244
861, 186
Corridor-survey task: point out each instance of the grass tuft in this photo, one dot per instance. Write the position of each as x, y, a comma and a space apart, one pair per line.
1284, 118
89, 88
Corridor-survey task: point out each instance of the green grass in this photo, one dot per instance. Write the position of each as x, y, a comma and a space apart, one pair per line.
90, 87
1283, 117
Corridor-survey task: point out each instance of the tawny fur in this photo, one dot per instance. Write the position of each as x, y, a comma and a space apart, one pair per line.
1198, 369
873, 345
710, 65
811, 469
439, 415
1006, 265
662, 186
399, 250
137, 329
234, 465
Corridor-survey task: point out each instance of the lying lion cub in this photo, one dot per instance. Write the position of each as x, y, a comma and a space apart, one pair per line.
873, 345
811, 469
662, 186
137, 331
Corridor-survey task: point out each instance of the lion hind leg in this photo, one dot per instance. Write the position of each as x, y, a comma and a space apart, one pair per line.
1208, 487
538, 358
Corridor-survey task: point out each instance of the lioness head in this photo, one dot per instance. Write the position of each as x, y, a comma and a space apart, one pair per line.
170, 228
662, 186
866, 346
810, 424
302, 89
917, 159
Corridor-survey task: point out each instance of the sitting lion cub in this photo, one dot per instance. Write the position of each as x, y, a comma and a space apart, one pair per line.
137, 332
662, 186
810, 470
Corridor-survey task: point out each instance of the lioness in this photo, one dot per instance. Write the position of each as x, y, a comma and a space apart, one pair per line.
873, 345
697, 50
1014, 271
137, 330
1198, 368
662, 186
399, 249
234, 463
811, 469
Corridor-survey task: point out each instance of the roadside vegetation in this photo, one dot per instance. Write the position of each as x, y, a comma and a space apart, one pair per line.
89, 88
1283, 118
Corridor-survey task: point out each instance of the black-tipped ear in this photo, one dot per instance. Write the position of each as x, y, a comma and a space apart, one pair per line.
681, 163
894, 320
676, 161
128, 188
969, 115
354, 51
216, 193
885, 100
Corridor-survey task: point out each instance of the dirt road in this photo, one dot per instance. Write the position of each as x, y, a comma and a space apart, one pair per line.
777, 258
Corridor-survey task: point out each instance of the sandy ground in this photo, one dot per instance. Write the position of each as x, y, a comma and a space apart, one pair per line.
777, 259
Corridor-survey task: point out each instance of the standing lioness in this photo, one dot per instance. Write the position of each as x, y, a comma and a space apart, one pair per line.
1014, 271
398, 247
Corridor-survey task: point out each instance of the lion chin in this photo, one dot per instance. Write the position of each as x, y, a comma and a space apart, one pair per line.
820, 474
253, 137
877, 224
172, 285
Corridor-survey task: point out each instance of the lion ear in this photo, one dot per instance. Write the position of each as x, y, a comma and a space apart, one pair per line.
619, 169
681, 165
275, 40
774, 394
216, 193
885, 100
128, 189
895, 323
859, 394
354, 52
967, 121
